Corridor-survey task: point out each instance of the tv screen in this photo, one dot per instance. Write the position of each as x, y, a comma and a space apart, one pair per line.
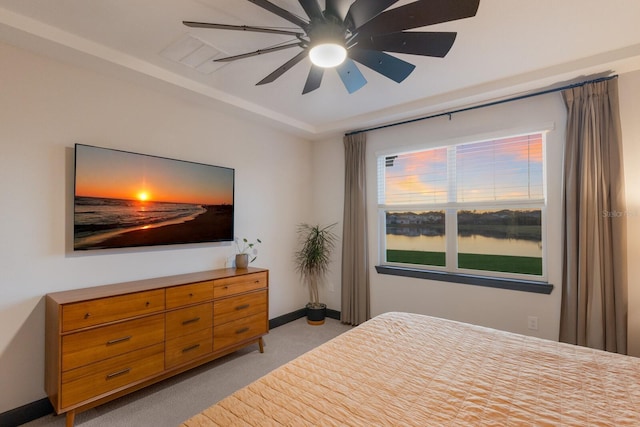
125, 199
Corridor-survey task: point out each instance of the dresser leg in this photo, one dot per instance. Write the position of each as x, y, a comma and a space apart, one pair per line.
261, 344
71, 418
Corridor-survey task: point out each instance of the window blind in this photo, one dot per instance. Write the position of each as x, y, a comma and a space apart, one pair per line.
507, 169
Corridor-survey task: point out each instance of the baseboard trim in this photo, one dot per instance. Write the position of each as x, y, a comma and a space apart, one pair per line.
295, 315
286, 318
333, 314
40, 408
25, 413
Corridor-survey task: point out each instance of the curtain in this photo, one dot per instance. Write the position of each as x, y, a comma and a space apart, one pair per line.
594, 289
355, 264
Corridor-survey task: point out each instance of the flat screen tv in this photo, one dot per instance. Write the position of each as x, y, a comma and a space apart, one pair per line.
125, 199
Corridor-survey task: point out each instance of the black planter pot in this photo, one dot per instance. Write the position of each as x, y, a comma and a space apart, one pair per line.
316, 315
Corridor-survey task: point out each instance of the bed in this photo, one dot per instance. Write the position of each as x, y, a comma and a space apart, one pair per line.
401, 369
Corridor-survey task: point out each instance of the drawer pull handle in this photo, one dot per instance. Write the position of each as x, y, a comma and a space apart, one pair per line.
118, 373
226, 287
86, 316
242, 307
147, 304
194, 320
117, 340
191, 347
242, 330
190, 294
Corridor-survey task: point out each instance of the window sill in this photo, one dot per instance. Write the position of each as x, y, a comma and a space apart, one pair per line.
491, 282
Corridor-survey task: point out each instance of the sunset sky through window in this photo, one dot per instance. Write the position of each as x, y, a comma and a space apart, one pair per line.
508, 168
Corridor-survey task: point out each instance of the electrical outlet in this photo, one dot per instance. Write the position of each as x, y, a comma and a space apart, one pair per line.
532, 323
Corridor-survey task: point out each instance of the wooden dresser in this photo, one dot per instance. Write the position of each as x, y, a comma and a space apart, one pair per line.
104, 342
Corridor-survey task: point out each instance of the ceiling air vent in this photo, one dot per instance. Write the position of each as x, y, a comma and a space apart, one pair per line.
194, 53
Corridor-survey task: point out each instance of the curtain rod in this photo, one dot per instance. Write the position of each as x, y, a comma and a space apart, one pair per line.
488, 104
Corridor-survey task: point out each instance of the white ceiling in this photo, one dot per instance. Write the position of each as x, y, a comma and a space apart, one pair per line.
509, 47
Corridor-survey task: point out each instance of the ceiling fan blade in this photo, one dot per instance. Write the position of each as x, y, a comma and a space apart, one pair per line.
418, 14
362, 11
337, 8
351, 75
311, 8
241, 28
435, 44
387, 65
282, 13
313, 79
283, 68
257, 52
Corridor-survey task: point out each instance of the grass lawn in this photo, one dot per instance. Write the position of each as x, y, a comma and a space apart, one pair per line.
416, 257
503, 263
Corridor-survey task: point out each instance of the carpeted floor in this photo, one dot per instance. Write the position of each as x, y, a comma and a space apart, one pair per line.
172, 401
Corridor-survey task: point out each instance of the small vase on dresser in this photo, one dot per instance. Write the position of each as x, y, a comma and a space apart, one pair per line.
242, 260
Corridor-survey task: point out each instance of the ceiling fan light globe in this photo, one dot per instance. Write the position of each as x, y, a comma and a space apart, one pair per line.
327, 55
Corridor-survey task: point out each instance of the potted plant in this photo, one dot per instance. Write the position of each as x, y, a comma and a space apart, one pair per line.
245, 248
312, 262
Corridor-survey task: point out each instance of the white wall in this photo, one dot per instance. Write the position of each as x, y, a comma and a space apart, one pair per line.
46, 107
502, 309
328, 202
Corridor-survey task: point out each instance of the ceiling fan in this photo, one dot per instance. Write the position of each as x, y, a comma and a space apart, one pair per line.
361, 31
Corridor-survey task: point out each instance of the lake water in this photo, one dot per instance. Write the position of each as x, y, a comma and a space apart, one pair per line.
472, 244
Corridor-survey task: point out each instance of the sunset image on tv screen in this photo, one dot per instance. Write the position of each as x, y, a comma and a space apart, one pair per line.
125, 199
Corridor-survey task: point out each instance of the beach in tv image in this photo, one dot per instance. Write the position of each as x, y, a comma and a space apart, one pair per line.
125, 199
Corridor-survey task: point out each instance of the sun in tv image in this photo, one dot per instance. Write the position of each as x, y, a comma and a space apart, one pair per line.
125, 199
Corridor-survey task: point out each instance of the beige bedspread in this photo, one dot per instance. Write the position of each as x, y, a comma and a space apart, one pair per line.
402, 369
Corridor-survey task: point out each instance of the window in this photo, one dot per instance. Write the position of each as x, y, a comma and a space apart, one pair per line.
476, 208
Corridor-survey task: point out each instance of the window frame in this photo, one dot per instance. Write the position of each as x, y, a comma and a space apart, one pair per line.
451, 272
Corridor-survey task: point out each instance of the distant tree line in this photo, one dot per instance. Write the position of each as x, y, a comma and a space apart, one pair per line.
502, 224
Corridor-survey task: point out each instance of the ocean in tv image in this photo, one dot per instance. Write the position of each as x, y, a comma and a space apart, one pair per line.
125, 199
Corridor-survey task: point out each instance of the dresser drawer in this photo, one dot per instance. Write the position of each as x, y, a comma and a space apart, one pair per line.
94, 312
238, 307
239, 330
189, 320
188, 347
83, 348
238, 284
92, 380
178, 296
